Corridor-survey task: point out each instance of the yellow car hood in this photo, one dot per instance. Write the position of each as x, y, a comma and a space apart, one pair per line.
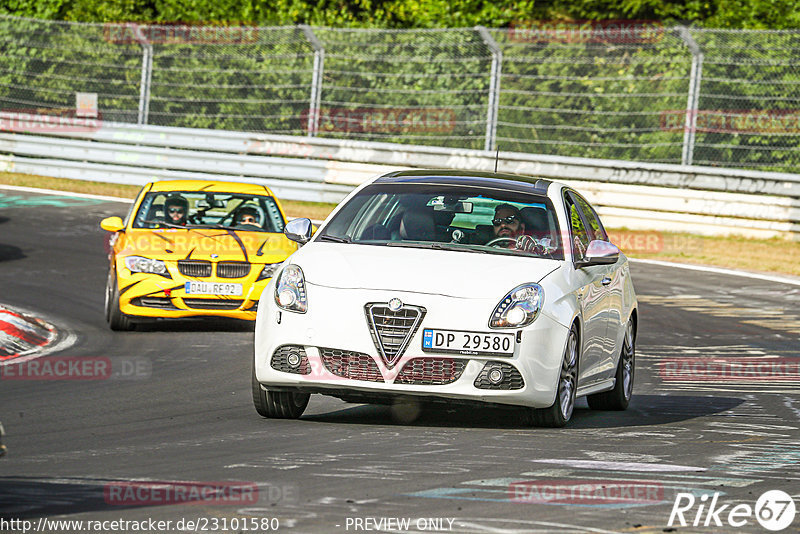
208, 244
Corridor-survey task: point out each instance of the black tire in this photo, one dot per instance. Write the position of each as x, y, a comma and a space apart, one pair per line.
619, 397
560, 412
278, 404
117, 320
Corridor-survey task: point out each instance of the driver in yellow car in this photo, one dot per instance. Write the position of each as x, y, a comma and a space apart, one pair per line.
176, 209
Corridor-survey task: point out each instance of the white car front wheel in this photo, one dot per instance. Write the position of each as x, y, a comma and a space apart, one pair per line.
560, 412
278, 404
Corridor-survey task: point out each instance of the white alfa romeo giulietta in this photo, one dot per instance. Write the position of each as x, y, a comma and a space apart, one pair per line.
455, 287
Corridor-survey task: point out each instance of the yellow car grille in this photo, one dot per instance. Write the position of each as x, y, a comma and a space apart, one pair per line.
196, 268
233, 269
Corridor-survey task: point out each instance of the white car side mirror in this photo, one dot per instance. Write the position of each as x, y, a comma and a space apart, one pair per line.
600, 253
299, 230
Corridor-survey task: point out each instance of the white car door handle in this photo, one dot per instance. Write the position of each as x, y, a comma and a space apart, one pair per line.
605, 281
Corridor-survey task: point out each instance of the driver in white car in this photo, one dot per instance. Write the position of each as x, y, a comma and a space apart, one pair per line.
508, 223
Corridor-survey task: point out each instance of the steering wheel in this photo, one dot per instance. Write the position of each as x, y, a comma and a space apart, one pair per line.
497, 240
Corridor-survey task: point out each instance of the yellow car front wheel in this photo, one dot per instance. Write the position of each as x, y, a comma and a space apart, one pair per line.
117, 320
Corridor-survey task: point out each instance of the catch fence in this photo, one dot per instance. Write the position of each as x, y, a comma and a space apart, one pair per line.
622, 90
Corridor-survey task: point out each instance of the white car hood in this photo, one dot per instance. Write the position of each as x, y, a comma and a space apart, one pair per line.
438, 272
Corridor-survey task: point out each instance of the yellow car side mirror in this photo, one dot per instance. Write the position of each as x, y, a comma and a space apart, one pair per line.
112, 224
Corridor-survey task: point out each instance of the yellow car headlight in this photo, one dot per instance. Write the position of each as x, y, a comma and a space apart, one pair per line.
140, 264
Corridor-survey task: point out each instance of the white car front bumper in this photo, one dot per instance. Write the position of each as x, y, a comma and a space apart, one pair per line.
338, 353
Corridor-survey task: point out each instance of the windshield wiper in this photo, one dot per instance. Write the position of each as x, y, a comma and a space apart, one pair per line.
164, 223
436, 246
209, 225
335, 239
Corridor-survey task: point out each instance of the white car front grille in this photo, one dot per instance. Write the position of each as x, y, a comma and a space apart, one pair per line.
392, 330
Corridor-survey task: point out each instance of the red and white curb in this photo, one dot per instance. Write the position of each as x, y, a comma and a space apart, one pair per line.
24, 336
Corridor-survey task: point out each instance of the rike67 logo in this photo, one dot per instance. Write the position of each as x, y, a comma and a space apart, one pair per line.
774, 510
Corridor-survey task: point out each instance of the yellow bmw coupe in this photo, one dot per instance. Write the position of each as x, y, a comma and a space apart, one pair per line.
193, 248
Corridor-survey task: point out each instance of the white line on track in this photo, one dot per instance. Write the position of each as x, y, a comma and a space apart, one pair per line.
83, 195
64, 193
526, 526
620, 466
719, 270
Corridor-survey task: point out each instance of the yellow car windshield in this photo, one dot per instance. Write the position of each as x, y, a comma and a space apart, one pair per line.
198, 209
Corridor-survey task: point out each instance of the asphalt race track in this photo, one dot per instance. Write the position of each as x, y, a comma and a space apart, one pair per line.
178, 409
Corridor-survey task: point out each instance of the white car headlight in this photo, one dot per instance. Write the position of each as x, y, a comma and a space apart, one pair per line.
268, 271
290, 290
519, 307
139, 264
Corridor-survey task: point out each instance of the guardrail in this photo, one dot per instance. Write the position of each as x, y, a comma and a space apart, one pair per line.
633, 195
613, 89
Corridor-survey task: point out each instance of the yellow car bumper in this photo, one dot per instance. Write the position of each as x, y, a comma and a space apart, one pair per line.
156, 296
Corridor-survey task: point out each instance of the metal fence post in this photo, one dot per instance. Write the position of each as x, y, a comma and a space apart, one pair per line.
494, 87
693, 99
316, 80
144, 89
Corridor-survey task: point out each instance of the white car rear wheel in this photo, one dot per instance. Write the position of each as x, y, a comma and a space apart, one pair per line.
619, 397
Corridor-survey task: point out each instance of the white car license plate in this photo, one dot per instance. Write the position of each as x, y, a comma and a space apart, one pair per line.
213, 288
461, 342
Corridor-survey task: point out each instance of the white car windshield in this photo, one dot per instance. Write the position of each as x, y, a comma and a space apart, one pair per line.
198, 209
451, 217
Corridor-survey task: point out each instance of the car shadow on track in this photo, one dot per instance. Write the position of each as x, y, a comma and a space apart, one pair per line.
196, 325
29, 497
10, 252
644, 411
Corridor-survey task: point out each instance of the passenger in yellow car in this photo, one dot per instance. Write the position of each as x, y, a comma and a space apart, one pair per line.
247, 216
